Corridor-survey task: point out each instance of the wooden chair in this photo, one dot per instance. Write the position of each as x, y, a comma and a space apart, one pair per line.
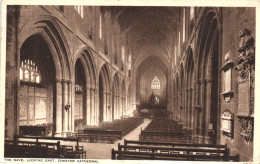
80, 151
69, 152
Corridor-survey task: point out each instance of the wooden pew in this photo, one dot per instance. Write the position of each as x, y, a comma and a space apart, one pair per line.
28, 149
108, 132
126, 155
208, 151
63, 148
127, 142
172, 151
37, 138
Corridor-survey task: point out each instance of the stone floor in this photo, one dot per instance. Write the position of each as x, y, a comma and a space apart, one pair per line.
103, 151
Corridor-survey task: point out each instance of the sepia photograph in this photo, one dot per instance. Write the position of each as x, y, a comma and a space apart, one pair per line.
142, 82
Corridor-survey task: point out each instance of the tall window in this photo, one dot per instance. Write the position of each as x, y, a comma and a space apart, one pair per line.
79, 9
155, 83
175, 55
123, 54
191, 13
183, 30
100, 27
179, 46
29, 72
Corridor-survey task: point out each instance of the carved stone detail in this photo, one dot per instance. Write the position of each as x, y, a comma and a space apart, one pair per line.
246, 57
246, 63
246, 128
246, 83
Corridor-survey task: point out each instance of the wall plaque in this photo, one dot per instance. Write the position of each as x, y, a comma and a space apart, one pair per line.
227, 78
227, 122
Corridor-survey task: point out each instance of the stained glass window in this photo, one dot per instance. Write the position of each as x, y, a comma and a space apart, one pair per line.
29, 72
155, 83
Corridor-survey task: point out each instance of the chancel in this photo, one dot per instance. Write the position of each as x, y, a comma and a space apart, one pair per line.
130, 82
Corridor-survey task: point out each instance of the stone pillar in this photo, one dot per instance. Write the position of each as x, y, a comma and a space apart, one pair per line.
203, 107
95, 95
105, 106
92, 114
187, 107
70, 119
59, 107
88, 100
208, 107
73, 107
66, 112
63, 104
190, 108
197, 108
109, 114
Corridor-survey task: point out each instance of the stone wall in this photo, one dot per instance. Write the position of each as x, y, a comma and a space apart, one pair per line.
234, 20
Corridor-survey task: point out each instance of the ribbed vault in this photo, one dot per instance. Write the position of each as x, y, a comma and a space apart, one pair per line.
148, 30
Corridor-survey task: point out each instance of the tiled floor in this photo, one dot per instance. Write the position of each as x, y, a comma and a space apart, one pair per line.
103, 151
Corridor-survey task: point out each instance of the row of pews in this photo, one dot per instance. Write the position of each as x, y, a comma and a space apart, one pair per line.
145, 150
43, 147
165, 130
109, 132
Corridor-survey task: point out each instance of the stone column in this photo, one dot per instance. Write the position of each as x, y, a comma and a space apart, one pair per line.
88, 100
109, 116
63, 104
203, 107
190, 123
197, 108
59, 107
208, 107
70, 119
187, 107
73, 106
66, 102
104, 105
95, 95
92, 114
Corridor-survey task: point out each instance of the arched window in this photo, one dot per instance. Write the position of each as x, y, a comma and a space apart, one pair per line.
29, 72
100, 27
79, 9
155, 83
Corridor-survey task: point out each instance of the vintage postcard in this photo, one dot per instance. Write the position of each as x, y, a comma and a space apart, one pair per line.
138, 81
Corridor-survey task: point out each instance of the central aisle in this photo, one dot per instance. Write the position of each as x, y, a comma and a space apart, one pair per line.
103, 151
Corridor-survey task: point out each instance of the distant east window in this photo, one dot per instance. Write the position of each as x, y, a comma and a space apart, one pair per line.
155, 83
29, 72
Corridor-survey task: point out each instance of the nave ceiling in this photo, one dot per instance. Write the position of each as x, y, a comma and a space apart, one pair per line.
149, 30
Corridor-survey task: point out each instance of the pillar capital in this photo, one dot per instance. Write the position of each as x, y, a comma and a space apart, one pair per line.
209, 80
203, 82
65, 80
198, 82
58, 80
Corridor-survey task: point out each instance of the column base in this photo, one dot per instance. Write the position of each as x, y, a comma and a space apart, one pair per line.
57, 134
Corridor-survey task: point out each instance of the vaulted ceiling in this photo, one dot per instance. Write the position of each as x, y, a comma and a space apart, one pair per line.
149, 30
